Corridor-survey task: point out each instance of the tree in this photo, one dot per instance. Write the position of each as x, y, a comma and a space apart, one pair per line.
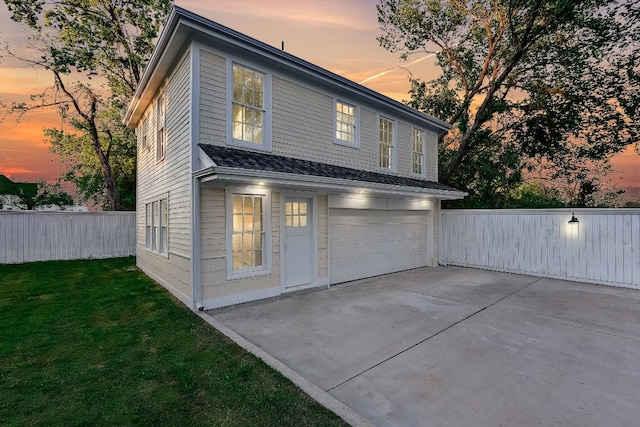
548, 88
96, 51
30, 196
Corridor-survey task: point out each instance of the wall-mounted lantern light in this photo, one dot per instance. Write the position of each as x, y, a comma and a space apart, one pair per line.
573, 219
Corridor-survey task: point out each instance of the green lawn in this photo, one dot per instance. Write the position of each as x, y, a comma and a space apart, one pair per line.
93, 343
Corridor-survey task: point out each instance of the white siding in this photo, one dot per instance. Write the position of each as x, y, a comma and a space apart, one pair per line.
432, 155
215, 284
46, 236
323, 237
212, 98
169, 178
604, 247
303, 121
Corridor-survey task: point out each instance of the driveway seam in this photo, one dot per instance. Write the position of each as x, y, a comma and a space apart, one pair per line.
405, 350
433, 335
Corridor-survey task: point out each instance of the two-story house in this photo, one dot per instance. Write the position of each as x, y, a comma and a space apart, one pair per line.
261, 173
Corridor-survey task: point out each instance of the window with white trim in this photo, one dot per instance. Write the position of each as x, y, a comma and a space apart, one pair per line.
144, 130
248, 232
295, 214
345, 123
157, 226
248, 105
418, 151
386, 144
161, 139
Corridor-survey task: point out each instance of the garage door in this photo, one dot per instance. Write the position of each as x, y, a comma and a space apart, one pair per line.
365, 243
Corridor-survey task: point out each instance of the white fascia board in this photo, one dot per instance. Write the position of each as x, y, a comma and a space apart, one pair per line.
257, 177
167, 50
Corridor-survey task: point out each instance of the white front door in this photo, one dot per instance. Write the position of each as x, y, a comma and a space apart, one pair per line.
297, 241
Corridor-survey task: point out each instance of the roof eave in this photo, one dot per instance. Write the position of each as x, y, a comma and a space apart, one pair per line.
170, 41
260, 177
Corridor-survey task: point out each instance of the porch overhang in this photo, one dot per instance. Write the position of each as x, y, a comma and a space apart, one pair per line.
257, 169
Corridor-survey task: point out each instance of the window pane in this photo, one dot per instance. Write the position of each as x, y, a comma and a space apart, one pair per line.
247, 222
248, 205
237, 260
247, 259
257, 258
257, 241
247, 241
303, 221
236, 242
345, 122
303, 207
288, 221
248, 104
237, 204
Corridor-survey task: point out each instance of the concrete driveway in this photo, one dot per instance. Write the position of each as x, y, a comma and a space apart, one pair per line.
453, 346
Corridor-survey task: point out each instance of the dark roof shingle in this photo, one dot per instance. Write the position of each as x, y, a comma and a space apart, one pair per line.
250, 160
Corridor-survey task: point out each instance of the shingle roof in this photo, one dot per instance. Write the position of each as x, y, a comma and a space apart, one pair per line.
250, 160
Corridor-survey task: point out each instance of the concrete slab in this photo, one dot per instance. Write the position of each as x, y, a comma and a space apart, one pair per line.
606, 309
331, 336
457, 346
501, 370
465, 285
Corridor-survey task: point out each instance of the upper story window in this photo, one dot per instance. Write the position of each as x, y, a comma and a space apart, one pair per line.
345, 123
248, 105
418, 151
387, 144
161, 139
144, 130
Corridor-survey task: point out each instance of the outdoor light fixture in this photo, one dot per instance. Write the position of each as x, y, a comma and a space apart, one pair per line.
573, 219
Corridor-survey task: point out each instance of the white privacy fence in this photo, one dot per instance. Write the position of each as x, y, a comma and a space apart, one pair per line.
602, 247
27, 236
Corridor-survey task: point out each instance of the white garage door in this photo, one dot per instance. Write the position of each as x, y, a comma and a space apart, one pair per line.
365, 243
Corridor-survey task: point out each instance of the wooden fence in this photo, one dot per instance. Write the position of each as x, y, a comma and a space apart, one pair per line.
42, 236
602, 247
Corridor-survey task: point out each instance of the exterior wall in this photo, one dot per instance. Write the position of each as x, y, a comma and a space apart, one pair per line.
322, 216
432, 156
212, 98
215, 284
29, 236
169, 178
604, 247
302, 121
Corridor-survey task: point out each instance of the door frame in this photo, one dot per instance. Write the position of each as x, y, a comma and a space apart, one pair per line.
313, 199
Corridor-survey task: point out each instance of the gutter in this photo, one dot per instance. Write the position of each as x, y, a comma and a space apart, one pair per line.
196, 274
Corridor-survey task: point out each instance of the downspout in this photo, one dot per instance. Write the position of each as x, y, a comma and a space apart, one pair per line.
196, 257
328, 245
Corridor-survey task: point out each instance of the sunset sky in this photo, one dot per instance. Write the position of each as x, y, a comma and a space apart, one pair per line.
335, 34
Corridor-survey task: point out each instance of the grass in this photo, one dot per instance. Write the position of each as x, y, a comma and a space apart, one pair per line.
93, 343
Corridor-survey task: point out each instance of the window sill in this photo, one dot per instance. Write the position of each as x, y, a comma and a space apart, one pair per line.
387, 171
250, 145
346, 144
243, 274
158, 254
